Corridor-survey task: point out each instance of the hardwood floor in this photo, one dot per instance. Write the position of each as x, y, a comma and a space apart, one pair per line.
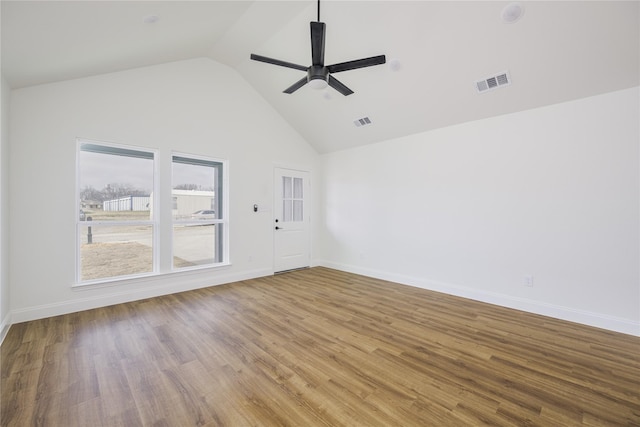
316, 347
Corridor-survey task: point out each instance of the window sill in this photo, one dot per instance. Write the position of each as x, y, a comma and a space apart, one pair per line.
147, 277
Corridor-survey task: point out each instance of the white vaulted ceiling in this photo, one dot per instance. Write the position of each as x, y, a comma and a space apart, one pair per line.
557, 51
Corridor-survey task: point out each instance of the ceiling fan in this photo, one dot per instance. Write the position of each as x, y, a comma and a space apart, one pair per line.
320, 75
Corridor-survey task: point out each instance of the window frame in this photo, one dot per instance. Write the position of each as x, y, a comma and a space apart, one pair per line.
160, 219
153, 221
222, 187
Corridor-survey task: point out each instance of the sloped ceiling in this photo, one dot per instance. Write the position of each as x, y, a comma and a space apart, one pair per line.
557, 51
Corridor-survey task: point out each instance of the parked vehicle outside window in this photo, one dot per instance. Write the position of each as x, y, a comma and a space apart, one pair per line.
204, 214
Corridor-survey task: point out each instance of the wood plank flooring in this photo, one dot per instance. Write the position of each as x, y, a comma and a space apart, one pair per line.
316, 347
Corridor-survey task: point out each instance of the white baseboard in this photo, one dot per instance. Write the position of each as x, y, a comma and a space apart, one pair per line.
162, 285
173, 283
584, 317
4, 327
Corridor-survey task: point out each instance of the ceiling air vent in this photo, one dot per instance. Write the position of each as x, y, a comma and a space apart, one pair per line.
362, 122
493, 82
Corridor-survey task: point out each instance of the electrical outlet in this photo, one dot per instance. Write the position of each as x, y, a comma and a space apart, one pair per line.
528, 281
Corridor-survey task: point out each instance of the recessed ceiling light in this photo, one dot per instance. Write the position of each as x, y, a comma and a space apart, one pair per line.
512, 13
395, 64
150, 19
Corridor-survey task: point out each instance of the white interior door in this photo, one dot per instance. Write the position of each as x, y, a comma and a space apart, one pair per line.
292, 231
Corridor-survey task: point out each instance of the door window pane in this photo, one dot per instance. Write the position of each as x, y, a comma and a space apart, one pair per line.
286, 187
297, 188
292, 199
297, 210
287, 210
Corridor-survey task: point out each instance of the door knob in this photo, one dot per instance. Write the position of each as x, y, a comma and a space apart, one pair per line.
278, 228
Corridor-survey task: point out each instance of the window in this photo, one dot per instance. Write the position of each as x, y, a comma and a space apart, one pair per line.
292, 199
120, 233
115, 226
199, 220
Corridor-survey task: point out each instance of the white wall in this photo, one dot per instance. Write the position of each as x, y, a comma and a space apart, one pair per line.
5, 308
472, 209
196, 106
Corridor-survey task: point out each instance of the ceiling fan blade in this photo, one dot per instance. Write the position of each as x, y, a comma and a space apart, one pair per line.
317, 43
277, 62
297, 85
334, 83
358, 63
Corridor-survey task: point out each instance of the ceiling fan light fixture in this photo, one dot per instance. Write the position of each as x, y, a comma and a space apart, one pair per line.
512, 13
318, 83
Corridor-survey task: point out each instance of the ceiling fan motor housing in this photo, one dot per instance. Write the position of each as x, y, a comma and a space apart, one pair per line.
317, 72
